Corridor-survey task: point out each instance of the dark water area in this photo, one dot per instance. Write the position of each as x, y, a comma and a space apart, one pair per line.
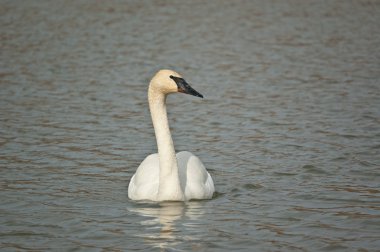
289, 127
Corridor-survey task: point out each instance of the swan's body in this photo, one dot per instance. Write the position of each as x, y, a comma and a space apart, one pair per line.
195, 182
166, 176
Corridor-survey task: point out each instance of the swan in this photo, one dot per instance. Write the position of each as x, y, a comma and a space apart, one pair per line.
167, 176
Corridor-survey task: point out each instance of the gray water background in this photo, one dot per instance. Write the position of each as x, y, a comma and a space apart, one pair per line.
289, 127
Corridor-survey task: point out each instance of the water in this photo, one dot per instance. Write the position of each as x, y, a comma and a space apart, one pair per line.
289, 127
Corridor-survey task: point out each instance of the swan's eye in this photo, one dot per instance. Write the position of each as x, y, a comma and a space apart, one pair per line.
176, 79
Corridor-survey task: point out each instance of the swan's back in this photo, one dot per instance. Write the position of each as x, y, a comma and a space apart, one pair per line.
196, 182
144, 183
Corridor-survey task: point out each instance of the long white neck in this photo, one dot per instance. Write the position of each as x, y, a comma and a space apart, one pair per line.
169, 183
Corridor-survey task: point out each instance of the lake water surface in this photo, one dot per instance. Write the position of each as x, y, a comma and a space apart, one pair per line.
289, 127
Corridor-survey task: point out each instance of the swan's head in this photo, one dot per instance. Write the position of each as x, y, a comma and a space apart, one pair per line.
168, 81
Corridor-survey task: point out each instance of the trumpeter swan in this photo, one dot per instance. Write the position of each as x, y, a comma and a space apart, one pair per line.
165, 176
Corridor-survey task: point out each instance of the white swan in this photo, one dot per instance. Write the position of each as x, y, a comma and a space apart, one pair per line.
165, 176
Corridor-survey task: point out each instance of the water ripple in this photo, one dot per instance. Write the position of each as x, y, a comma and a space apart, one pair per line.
289, 127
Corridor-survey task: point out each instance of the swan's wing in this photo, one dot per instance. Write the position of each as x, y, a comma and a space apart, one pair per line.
144, 183
196, 182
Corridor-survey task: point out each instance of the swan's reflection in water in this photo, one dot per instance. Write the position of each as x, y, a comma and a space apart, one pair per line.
161, 228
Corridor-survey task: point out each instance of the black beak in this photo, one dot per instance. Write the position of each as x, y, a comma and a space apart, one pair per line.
184, 87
